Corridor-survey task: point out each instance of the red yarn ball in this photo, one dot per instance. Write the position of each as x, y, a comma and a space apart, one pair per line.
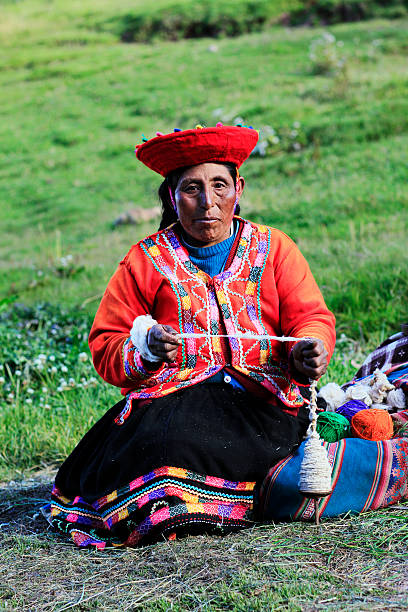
372, 424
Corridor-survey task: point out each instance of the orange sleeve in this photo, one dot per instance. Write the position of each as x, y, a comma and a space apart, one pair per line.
302, 309
115, 357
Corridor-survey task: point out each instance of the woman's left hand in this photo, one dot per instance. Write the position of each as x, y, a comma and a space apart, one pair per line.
310, 357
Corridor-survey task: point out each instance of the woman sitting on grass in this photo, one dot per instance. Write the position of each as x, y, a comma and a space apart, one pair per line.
185, 328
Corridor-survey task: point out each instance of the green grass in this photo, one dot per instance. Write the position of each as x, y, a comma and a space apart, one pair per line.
74, 103
71, 115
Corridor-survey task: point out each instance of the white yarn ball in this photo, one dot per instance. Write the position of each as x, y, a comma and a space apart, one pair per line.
315, 470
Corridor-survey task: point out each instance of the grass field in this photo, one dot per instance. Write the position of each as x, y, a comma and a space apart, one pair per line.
331, 172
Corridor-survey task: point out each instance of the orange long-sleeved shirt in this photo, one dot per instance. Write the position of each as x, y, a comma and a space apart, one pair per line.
267, 289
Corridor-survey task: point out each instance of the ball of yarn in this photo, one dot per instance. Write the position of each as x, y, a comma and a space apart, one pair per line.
350, 408
332, 426
372, 424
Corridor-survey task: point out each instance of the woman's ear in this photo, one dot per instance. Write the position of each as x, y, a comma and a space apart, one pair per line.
239, 188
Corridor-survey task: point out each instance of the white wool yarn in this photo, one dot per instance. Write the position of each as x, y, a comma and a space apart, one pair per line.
396, 399
380, 386
315, 471
333, 395
360, 392
138, 335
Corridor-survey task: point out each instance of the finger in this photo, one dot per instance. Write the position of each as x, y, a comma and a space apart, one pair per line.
313, 372
158, 335
169, 356
313, 363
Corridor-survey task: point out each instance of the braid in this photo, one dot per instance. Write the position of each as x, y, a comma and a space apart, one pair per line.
169, 215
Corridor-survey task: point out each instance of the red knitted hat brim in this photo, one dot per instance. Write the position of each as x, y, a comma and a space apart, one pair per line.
228, 143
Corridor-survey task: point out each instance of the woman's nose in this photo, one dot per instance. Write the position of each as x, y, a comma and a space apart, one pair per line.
206, 199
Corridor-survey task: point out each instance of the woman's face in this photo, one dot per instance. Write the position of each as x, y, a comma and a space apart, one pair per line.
205, 199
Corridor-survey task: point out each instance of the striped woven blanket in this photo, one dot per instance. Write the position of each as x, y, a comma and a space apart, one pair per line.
365, 475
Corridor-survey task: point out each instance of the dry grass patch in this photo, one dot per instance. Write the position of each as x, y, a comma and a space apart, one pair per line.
354, 563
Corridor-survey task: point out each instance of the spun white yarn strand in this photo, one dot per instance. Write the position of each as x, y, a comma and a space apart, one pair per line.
245, 336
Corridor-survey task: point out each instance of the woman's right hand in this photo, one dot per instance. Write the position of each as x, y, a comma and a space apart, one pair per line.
163, 341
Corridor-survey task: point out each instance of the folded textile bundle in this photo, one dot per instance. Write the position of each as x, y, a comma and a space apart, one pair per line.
365, 475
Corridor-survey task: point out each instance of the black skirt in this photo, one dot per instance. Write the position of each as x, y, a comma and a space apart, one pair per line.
185, 463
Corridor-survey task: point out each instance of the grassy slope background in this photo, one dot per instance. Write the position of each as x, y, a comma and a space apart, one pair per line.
73, 102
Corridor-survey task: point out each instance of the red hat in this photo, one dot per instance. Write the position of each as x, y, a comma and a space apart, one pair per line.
224, 143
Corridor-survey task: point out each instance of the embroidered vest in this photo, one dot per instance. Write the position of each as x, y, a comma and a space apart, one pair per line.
242, 299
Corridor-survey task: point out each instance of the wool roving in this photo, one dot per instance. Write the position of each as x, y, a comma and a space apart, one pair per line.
361, 392
333, 395
396, 399
380, 386
332, 427
350, 408
372, 424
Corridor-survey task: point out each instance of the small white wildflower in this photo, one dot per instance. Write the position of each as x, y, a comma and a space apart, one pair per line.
47, 406
238, 120
10, 396
17, 373
294, 133
44, 389
29, 400
83, 357
2, 380
65, 261
54, 370
40, 273
296, 125
42, 357
64, 369
296, 146
275, 140
51, 357
30, 391
71, 381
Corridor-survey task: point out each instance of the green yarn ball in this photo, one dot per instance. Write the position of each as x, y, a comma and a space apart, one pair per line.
332, 426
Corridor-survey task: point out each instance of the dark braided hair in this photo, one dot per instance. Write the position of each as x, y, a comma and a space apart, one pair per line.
169, 215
